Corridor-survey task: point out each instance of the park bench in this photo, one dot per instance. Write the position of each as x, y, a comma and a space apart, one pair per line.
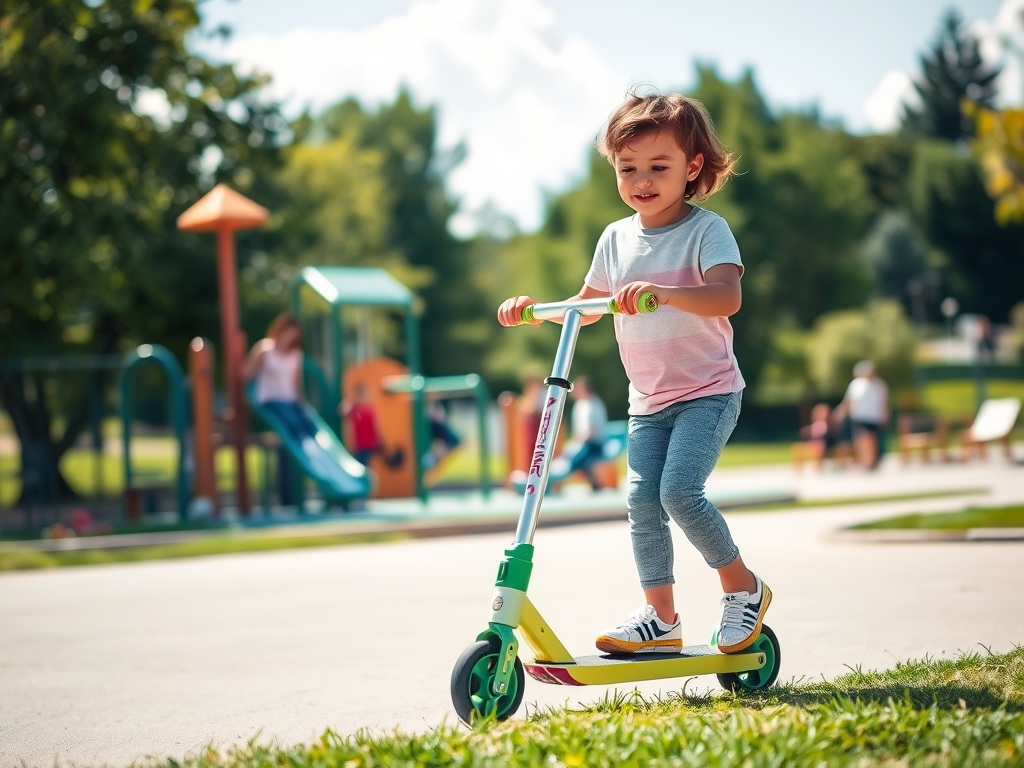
924, 433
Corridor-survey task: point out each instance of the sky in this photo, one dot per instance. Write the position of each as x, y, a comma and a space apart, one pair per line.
527, 84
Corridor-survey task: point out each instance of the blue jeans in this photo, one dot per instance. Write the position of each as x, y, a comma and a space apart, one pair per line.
671, 454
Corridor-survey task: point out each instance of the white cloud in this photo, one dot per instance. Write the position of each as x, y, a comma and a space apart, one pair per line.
884, 106
525, 99
1002, 44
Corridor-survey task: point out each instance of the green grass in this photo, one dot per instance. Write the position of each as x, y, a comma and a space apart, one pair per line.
974, 517
750, 454
967, 711
957, 398
155, 458
854, 500
22, 560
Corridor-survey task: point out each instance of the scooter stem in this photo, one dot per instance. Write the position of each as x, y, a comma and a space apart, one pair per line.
547, 435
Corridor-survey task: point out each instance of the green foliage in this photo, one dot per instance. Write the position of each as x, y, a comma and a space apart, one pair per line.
1000, 148
979, 258
90, 184
880, 332
398, 197
963, 711
895, 253
953, 72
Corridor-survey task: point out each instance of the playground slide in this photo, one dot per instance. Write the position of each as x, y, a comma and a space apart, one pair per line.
321, 456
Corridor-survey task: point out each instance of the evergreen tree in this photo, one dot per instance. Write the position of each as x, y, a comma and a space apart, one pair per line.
952, 71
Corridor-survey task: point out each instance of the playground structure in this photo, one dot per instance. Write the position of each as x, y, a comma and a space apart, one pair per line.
400, 394
335, 306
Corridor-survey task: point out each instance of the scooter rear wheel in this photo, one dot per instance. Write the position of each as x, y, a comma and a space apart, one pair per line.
756, 679
472, 678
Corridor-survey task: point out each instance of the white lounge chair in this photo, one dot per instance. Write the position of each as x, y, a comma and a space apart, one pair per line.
994, 421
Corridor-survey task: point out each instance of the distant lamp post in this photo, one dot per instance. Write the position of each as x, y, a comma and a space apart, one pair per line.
949, 307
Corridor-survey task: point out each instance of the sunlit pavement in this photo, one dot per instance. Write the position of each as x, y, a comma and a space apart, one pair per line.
112, 663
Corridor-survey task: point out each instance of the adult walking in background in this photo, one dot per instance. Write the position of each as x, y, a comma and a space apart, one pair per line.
866, 402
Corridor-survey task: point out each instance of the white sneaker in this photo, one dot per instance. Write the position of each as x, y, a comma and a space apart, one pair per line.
643, 632
742, 614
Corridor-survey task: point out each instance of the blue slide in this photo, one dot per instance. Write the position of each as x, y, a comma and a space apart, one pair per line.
319, 454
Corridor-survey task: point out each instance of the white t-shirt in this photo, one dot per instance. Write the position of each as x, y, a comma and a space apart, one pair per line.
277, 377
869, 400
590, 418
671, 355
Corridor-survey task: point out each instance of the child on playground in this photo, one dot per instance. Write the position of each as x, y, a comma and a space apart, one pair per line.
362, 418
276, 364
589, 424
685, 384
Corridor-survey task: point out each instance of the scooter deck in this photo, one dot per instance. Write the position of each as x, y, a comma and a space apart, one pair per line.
608, 669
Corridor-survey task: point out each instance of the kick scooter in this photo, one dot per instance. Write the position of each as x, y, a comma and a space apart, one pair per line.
489, 678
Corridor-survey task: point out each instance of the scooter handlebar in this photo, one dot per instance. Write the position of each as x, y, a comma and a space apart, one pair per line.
646, 304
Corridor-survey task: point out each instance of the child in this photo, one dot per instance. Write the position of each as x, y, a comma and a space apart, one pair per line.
589, 424
685, 384
366, 437
276, 363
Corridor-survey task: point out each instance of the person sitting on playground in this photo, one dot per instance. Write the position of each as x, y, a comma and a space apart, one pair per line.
276, 364
685, 384
589, 425
366, 436
442, 439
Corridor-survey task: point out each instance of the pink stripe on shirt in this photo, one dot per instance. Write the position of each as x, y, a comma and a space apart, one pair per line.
669, 356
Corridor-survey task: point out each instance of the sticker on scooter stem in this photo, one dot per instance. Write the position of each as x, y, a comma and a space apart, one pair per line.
498, 602
538, 454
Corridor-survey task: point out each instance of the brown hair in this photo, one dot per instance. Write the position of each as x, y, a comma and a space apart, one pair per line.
281, 322
689, 122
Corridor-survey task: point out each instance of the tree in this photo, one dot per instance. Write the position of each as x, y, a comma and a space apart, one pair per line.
895, 254
417, 210
109, 128
979, 259
880, 332
1000, 148
952, 72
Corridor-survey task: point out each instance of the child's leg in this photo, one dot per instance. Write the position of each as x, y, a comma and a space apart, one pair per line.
648, 524
699, 434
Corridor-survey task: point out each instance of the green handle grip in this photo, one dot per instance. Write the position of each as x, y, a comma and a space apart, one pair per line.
527, 317
645, 304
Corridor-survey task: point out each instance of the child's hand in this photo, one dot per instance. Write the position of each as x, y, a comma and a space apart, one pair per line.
511, 311
630, 294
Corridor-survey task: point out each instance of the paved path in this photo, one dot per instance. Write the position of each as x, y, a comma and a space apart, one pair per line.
104, 665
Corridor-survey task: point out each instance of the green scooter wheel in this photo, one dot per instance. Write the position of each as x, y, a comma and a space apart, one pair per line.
756, 679
472, 679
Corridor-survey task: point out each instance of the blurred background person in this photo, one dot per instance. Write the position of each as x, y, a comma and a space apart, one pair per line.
866, 403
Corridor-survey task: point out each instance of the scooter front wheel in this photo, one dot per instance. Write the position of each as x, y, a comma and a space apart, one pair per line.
756, 679
472, 680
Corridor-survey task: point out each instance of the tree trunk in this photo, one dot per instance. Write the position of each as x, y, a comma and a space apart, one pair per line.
24, 397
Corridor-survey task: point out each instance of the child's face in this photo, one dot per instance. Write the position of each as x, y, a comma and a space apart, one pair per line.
652, 172
288, 339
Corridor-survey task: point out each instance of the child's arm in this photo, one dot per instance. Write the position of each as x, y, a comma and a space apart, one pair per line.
254, 359
720, 296
300, 395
